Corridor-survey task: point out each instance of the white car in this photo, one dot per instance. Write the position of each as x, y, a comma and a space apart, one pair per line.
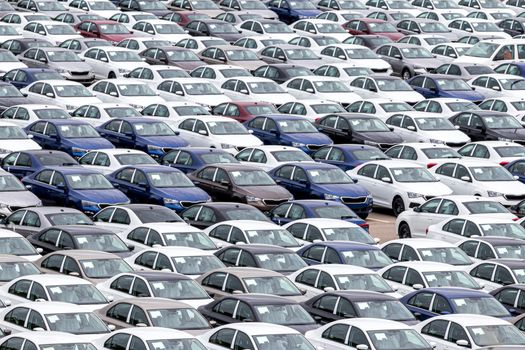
66, 94
445, 107
103, 8
14, 138
275, 29
323, 88
514, 106
317, 279
475, 26
256, 89
47, 340
160, 29
168, 234
359, 55
425, 249
444, 17
367, 333
398, 184
494, 14
54, 32
496, 273
140, 44
388, 87
498, 85
409, 276
452, 50
107, 161
259, 42
18, 19
268, 157
256, 335
461, 331
112, 62
341, 16
214, 131
191, 262
501, 152
492, 247
428, 41
454, 230
129, 91
492, 52
314, 42
316, 26
311, 108
100, 113
194, 90
23, 115
156, 284
346, 71
307, 231
200, 43
380, 107
15, 244
413, 223
155, 74
9, 62
480, 178
219, 73
426, 154
51, 287
426, 127
174, 110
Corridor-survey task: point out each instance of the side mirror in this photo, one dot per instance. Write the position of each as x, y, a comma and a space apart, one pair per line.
343, 57
411, 128
62, 187
141, 325
417, 286
43, 59
203, 132
362, 347
179, 92
274, 131
104, 59
237, 292
42, 32
74, 273
496, 87
131, 247
462, 343
39, 329
310, 90
282, 58
50, 94
151, 32
328, 289
465, 178
244, 91
386, 179
39, 250
397, 56
113, 93
516, 177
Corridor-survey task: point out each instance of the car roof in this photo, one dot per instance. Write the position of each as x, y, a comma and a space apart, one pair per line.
51, 307
372, 324
49, 337
158, 275
52, 210
260, 248
176, 251
455, 292
72, 170
154, 303
166, 227
82, 254
8, 258
153, 333
248, 272
55, 279
259, 328
340, 269
82, 229
394, 163
498, 241
510, 263
262, 299
344, 245
361, 295
251, 224
472, 320
485, 219
325, 223
426, 266
419, 243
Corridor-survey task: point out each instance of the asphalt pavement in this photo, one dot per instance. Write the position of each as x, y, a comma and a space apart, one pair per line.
382, 224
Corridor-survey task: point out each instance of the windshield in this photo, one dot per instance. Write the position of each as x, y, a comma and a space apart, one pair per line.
368, 125
275, 285
196, 265
183, 343
48, 76
105, 242
245, 214
277, 27
68, 346
448, 255
51, 113
440, 153
482, 50
11, 270
60, 29
283, 341
102, 5
156, 214
178, 289
453, 84
437, 41
485, 207
403, 339
384, 309
55, 159
335, 212
88, 182
301, 54
265, 87
134, 159
251, 178
104, 268
190, 110
511, 251
9, 91
373, 258
170, 179
235, 72
283, 314
280, 262
278, 237
329, 176
9, 183
371, 282
480, 306
510, 151
124, 56
153, 129
76, 323
80, 294
261, 109
393, 85
496, 335
212, 158
156, 43
369, 154
182, 55
513, 84
227, 128
450, 279
416, 52
395, 107
136, 90
16, 246
153, 5
352, 233
7, 57
201, 89
328, 40
462, 106
78, 131
330, 28
501, 122
519, 105
434, 124
331, 86
433, 27
116, 28
219, 28
327, 108
485, 27
358, 54
491, 173
50, 6
180, 319
72, 91
296, 126
382, 27
68, 219
503, 230
291, 156
197, 240
168, 28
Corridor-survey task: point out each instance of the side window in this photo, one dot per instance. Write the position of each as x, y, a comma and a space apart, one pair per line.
421, 300
396, 274
436, 329
483, 271
441, 305
503, 276
337, 333
224, 337
226, 307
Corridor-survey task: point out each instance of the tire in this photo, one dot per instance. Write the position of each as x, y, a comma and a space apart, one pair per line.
363, 215
405, 74
111, 75
404, 231
398, 205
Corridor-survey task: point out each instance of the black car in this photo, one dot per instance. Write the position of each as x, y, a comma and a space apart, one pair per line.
258, 308
10, 96
281, 72
264, 256
17, 46
510, 296
79, 237
358, 128
489, 125
214, 27
206, 215
337, 305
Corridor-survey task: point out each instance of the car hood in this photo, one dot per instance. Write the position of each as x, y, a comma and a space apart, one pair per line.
266, 192
191, 194
230, 37
380, 136
303, 328
13, 101
308, 138
7, 66
238, 140
405, 96
310, 64
513, 134
90, 143
276, 99
187, 65
79, 101
375, 63
250, 65
71, 66
425, 62
19, 145
344, 190
19, 199
427, 189
164, 141
448, 136
515, 188
466, 95
116, 37
308, 13
109, 196
267, 14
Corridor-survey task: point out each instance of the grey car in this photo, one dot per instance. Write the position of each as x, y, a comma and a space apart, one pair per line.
409, 60
14, 195
64, 61
426, 26
292, 54
27, 221
466, 71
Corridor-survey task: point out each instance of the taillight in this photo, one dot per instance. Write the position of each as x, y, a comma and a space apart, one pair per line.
430, 165
515, 219
426, 231
503, 163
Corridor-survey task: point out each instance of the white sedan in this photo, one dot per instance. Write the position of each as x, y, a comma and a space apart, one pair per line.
498, 85
200, 43
392, 88
323, 88
514, 106
219, 73
343, 70
398, 184
174, 110
102, 112
107, 161
140, 44
445, 106
426, 154
269, 157
256, 89
54, 32
312, 108
23, 115
45, 340
359, 55
501, 152
129, 18
194, 90
129, 91
153, 75
496, 273
380, 107
112, 62
316, 26
161, 30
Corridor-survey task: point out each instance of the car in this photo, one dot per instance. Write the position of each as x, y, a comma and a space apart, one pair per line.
255, 89
358, 54
13, 195
368, 332
23, 115
344, 252
315, 42
465, 70
372, 26
158, 284
250, 8
193, 90
129, 18
413, 26
427, 127
348, 156
342, 16
174, 110
414, 275
381, 108
422, 153
112, 62
24, 163
93, 266
491, 52
490, 247
495, 273
291, 54
108, 30
81, 45
189, 159
455, 230
208, 214
318, 26
16, 46
465, 26
289, 12
428, 41
15, 266
501, 152
50, 338
358, 128
46, 287
435, 86
160, 29
510, 68
371, 41
135, 93
199, 43
173, 56
489, 125
102, 112
386, 87
10, 61
27, 221
219, 73
281, 72
141, 43
270, 156
311, 108
505, 104
273, 258
464, 330
98, 7
110, 160
153, 7
10, 96
452, 50
14, 138
498, 85
446, 107
52, 31
30, 75
507, 296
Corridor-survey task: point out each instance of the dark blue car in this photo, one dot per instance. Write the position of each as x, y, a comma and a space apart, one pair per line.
349, 253
429, 302
77, 187
189, 159
68, 135
158, 184
517, 168
24, 163
323, 181
441, 85
348, 156
22, 77
291, 11
146, 134
314, 208
288, 130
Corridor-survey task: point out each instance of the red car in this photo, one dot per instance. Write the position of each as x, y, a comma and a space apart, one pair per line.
184, 17
372, 26
244, 111
108, 30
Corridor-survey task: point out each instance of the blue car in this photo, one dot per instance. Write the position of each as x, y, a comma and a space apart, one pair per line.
72, 136
24, 163
441, 85
314, 208
189, 159
517, 168
512, 68
348, 156
157, 184
290, 11
77, 187
323, 181
288, 130
429, 302
349, 253
146, 134
27, 76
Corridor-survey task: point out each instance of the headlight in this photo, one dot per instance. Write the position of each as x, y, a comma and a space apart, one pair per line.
252, 199
170, 201
3, 206
371, 143
70, 107
123, 71
136, 106
414, 195
436, 141
504, 139
298, 144
154, 148
61, 70
495, 194
227, 145
88, 204
331, 196
78, 150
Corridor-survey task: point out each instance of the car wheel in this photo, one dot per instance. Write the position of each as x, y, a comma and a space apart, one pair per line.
405, 74
404, 231
111, 75
398, 206
363, 215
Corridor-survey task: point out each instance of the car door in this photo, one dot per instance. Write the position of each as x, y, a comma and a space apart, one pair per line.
41, 187
419, 305
395, 277
484, 275
425, 217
